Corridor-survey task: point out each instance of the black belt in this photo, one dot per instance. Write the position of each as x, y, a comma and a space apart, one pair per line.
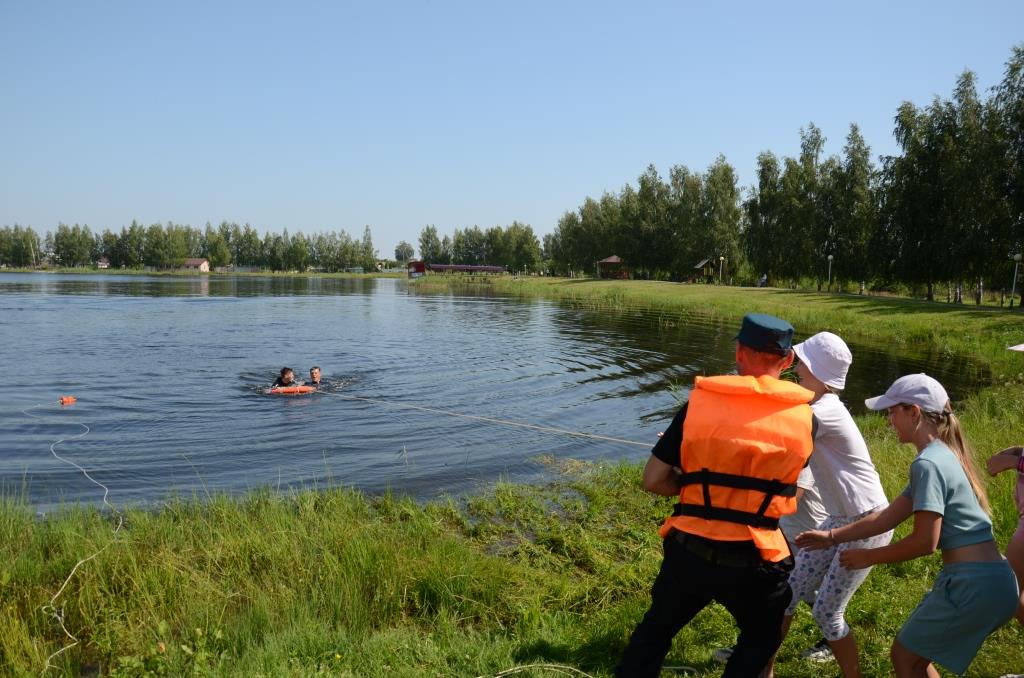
727, 553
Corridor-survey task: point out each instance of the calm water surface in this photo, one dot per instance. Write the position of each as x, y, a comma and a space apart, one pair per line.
170, 375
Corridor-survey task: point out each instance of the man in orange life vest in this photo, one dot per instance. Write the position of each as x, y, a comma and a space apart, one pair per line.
732, 455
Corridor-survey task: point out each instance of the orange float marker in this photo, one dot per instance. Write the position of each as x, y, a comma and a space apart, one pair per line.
67, 400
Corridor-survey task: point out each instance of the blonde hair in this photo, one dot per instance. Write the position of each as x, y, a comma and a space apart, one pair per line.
952, 435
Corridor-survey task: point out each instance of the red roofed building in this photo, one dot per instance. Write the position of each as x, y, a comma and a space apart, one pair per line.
201, 265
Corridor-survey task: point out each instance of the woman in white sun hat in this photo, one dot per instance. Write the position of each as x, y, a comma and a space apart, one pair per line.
976, 592
850, 489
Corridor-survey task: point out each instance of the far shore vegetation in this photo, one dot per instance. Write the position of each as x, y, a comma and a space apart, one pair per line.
328, 581
942, 217
185, 273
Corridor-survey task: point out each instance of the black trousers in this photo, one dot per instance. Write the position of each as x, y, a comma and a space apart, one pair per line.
756, 594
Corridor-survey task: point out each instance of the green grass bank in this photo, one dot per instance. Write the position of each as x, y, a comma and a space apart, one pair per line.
337, 583
949, 329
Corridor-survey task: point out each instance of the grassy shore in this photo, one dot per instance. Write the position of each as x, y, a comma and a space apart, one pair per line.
950, 329
336, 583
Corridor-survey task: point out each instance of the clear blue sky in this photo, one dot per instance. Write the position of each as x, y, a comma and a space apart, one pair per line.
337, 115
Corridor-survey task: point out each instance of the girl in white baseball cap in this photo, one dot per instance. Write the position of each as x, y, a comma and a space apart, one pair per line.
850, 489
976, 591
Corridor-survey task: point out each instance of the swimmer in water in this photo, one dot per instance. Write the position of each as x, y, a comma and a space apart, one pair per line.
287, 378
314, 376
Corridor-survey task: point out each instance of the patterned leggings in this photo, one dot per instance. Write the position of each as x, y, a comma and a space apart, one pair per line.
835, 585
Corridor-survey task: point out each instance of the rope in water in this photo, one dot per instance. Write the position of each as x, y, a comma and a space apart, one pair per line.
491, 420
58, 613
554, 668
50, 608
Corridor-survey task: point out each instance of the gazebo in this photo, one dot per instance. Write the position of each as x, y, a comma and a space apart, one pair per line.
707, 269
613, 267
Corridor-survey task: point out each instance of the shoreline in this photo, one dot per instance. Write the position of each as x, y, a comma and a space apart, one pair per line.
337, 582
983, 333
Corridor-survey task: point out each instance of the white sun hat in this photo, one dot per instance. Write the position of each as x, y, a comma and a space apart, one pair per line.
827, 357
912, 389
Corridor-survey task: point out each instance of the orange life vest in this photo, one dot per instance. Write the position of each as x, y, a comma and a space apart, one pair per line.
745, 440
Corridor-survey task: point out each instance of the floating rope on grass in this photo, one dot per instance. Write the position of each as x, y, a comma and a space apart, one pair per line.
51, 609
491, 420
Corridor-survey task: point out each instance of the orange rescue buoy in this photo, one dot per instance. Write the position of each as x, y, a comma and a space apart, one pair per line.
67, 400
292, 390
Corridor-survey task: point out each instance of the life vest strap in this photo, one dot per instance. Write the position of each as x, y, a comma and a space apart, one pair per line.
705, 477
730, 515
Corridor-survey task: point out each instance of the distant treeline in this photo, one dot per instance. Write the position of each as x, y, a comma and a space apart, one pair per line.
515, 247
948, 209
164, 247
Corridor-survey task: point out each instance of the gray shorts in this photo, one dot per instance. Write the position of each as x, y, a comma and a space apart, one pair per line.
967, 603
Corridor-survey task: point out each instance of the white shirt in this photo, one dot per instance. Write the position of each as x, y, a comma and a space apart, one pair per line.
843, 471
810, 512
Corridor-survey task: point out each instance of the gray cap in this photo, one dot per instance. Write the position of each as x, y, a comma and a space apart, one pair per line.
912, 389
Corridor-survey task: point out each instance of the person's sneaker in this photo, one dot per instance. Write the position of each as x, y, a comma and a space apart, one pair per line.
722, 654
819, 653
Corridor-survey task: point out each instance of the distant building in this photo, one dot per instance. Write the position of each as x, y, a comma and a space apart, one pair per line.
465, 268
613, 267
103, 263
201, 265
707, 270
417, 269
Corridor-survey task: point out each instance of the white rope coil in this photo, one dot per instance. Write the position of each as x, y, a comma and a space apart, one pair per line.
51, 608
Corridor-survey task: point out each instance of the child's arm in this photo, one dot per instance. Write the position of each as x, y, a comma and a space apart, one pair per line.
921, 542
1004, 461
868, 526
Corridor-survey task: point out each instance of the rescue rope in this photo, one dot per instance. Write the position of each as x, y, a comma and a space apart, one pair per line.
50, 608
491, 420
57, 613
557, 668
570, 671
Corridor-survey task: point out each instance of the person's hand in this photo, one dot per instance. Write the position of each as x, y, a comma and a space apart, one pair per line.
1003, 460
856, 559
814, 540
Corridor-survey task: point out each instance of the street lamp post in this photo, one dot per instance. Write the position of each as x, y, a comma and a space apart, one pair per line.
830, 273
721, 261
1013, 285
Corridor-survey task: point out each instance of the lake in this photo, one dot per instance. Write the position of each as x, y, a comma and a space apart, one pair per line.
171, 376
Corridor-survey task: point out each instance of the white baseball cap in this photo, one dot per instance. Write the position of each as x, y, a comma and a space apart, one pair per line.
912, 389
827, 357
